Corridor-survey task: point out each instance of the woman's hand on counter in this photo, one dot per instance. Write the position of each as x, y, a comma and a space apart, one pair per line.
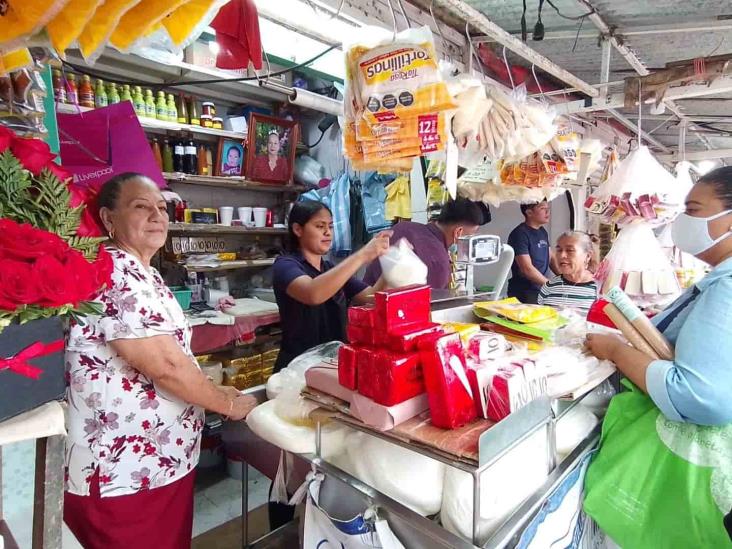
240, 404
604, 346
377, 247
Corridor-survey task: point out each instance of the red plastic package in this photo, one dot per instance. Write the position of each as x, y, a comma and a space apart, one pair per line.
402, 307
514, 386
486, 345
481, 383
360, 335
365, 359
406, 339
448, 388
362, 316
597, 315
392, 378
347, 367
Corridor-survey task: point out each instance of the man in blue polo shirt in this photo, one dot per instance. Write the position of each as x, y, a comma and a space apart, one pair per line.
534, 255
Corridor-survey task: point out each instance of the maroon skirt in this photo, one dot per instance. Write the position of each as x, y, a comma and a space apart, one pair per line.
161, 518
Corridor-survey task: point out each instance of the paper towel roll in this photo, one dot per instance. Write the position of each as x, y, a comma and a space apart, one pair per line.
305, 98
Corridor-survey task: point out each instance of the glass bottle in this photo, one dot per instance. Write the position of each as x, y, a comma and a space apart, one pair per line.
149, 104
161, 107
209, 161
190, 163
72, 91
138, 101
180, 104
167, 157
193, 112
179, 154
172, 110
157, 153
201, 158
113, 96
59, 89
126, 94
100, 95
86, 92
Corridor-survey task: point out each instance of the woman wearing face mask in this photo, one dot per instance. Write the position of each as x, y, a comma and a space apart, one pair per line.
695, 386
311, 292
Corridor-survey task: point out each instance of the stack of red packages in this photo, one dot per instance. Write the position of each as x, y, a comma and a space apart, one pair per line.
450, 396
513, 386
383, 362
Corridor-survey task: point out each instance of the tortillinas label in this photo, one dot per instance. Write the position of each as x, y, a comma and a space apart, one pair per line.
621, 300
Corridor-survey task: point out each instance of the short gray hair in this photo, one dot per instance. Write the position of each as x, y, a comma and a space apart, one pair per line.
583, 238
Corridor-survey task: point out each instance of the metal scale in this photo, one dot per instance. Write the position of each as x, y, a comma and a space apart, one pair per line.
481, 250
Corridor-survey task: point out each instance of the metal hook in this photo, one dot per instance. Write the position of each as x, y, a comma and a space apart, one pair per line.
508, 69
394, 19
538, 84
439, 29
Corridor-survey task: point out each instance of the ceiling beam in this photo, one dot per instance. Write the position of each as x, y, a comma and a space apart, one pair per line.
713, 154
481, 24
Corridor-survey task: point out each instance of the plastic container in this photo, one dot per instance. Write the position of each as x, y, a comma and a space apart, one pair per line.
218, 123
245, 214
260, 217
226, 214
183, 296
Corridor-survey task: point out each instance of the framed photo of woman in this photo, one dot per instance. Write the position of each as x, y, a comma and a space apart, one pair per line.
230, 158
271, 150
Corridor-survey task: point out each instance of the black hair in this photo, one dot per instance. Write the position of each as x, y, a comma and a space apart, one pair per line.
112, 188
301, 213
462, 211
721, 180
528, 207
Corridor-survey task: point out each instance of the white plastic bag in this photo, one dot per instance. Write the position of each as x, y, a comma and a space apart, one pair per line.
402, 267
572, 428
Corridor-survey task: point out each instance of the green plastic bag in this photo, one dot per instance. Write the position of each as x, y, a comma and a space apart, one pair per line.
657, 483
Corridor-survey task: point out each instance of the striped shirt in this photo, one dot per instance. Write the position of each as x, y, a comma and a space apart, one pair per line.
561, 293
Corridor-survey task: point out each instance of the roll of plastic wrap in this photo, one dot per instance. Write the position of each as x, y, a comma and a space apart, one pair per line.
629, 331
310, 100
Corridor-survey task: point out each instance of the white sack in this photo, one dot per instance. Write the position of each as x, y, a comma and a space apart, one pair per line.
572, 428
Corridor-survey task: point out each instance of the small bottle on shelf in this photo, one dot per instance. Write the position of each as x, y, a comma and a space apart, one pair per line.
86, 92
157, 153
126, 94
72, 91
180, 104
149, 104
201, 159
161, 107
172, 110
180, 211
100, 95
138, 100
167, 157
193, 112
59, 89
209, 161
191, 159
179, 154
113, 96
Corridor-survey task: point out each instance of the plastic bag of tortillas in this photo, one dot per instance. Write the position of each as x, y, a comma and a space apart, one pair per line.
402, 267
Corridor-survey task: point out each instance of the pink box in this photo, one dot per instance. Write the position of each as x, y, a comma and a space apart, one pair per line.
324, 378
385, 418
448, 388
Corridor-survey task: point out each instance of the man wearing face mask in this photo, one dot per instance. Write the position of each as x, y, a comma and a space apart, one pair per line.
433, 241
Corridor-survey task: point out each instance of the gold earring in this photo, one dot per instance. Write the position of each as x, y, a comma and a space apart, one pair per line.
111, 233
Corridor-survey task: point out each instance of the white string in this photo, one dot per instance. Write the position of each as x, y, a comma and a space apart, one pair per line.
404, 14
533, 71
640, 114
508, 68
394, 19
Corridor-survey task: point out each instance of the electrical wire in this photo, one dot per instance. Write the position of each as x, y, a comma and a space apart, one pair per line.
572, 17
156, 85
322, 135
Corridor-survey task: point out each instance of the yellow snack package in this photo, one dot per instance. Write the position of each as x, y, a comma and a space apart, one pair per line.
100, 27
512, 309
21, 19
399, 78
183, 22
466, 331
70, 22
15, 60
139, 19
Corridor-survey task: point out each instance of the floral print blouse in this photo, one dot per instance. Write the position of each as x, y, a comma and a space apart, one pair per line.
119, 421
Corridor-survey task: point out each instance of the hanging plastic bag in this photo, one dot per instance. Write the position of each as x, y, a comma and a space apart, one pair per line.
339, 201
373, 194
141, 19
68, 24
100, 27
398, 199
402, 267
659, 483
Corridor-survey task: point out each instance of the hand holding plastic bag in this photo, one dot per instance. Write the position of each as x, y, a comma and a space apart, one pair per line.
402, 267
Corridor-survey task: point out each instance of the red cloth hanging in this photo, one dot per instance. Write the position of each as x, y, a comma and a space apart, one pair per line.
237, 34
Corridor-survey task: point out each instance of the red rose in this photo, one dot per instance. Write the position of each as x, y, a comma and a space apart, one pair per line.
59, 171
104, 266
55, 286
34, 154
24, 241
17, 284
6, 138
84, 196
83, 276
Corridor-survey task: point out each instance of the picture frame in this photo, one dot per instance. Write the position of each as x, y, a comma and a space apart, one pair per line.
270, 159
230, 158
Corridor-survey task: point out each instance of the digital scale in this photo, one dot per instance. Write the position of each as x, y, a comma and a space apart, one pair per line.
480, 250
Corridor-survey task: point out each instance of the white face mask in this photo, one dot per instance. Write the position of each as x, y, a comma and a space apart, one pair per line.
691, 234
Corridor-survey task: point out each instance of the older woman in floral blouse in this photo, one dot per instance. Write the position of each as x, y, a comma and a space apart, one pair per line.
136, 395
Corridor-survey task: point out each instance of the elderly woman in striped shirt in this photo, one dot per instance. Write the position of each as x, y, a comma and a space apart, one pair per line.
574, 287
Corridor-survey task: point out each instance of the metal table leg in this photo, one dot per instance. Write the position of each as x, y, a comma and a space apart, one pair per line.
244, 504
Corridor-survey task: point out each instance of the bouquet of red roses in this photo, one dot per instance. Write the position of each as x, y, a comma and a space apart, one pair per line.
51, 260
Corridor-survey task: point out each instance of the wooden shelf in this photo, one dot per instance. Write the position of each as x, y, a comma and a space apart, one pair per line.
154, 124
203, 228
230, 183
232, 265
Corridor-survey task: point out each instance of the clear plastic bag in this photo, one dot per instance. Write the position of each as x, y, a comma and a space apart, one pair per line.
402, 267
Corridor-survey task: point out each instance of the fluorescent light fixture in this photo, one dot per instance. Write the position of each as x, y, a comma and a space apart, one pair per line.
706, 166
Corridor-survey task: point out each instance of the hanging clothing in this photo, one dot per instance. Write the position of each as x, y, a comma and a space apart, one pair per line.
359, 236
237, 34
